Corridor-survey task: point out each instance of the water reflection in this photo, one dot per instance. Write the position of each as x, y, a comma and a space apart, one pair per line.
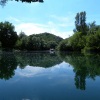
37, 59
10, 61
8, 64
84, 66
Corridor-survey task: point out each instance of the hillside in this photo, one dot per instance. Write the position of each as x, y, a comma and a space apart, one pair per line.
42, 41
48, 37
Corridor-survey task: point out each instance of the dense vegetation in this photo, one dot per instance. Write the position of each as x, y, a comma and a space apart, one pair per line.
43, 41
86, 36
8, 36
10, 40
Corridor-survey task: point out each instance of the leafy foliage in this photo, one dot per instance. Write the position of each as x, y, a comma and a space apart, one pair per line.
80, 22
86, 37
3, 2
93, 42
65, 45
10, 40
43, 41
8, 36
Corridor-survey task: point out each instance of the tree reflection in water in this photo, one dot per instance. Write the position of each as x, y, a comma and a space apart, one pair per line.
10, 61
84, 66
8, 64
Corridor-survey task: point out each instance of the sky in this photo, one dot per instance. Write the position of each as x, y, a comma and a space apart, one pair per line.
53, 16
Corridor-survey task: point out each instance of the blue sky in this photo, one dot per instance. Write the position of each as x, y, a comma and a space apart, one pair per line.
54, 16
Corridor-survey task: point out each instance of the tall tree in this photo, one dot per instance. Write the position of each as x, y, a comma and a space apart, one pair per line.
8, 36
80, 22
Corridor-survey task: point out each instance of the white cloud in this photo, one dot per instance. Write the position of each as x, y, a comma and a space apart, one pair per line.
31, 71
31, 28
59, 28
64, 35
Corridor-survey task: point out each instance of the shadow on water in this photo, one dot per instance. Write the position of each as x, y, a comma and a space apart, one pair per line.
84, 66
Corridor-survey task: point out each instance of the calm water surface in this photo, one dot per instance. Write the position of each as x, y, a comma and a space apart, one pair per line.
44, 76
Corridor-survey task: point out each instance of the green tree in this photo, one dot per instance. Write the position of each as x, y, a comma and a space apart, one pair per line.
80, 22
43, 41
21, 35
21, 41
35, 43
93, 42
77, 41
3, 2
8, 36
52, 44
65, 45
93, 28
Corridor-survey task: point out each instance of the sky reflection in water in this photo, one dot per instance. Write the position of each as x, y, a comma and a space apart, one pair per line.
61, 81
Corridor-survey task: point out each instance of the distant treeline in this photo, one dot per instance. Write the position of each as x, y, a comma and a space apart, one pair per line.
86, 37
9, 39
36, 42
